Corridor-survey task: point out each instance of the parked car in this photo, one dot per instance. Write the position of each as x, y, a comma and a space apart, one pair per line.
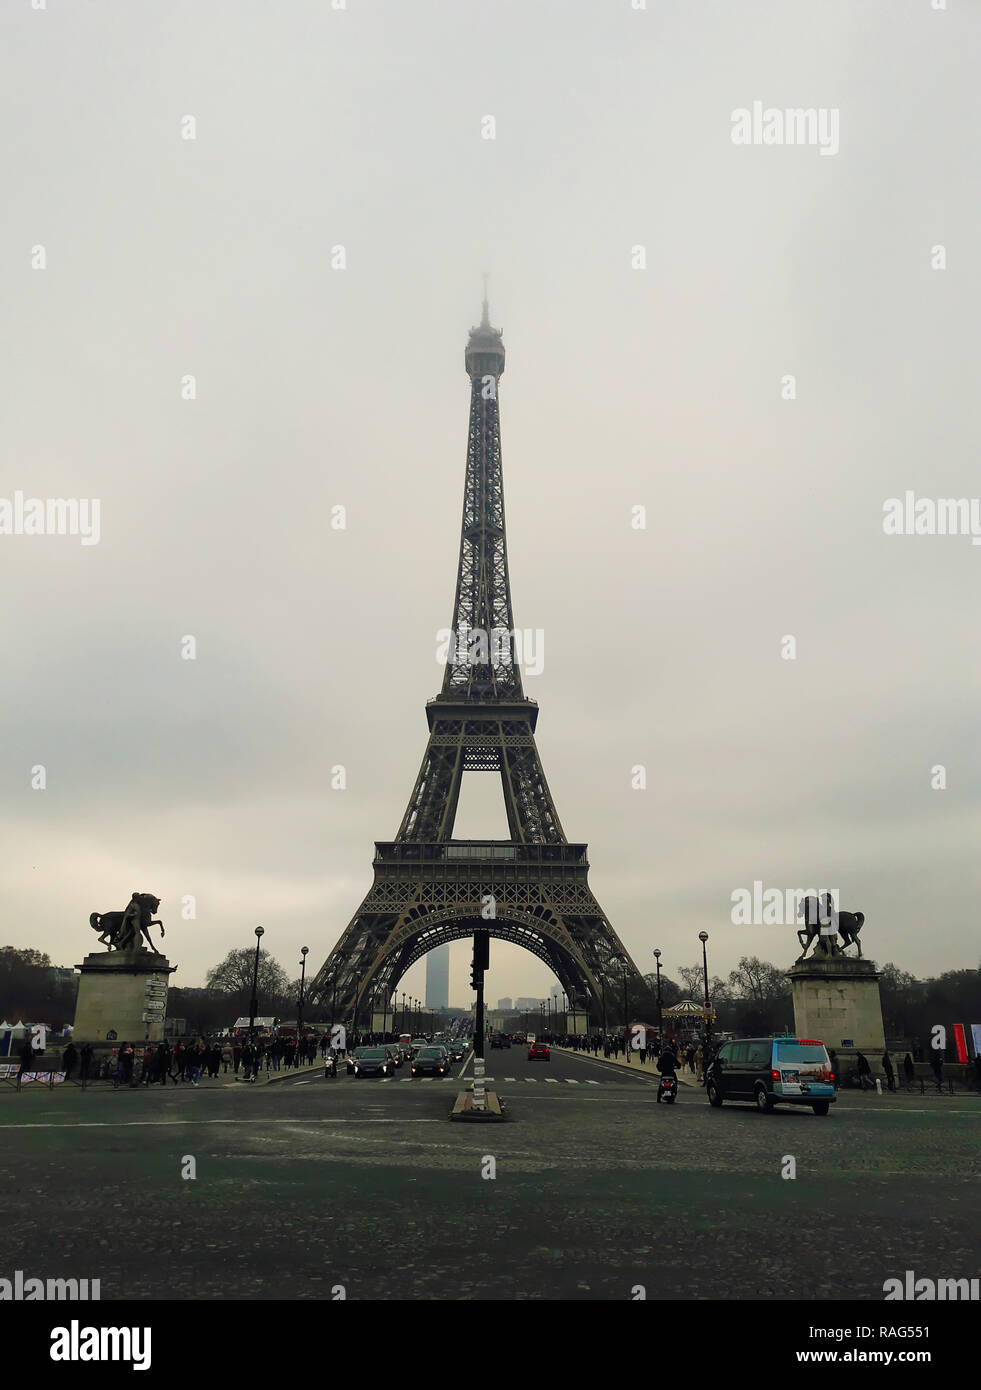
773, 1071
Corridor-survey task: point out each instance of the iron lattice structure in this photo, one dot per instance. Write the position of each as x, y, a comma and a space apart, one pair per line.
428, 888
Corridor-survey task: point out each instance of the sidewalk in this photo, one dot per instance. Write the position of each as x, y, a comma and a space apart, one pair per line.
649, 1068
229, 1078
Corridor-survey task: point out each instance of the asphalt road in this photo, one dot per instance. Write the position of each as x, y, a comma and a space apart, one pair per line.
308, 1184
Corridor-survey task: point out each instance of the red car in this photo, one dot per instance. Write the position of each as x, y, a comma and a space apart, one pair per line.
538, 1049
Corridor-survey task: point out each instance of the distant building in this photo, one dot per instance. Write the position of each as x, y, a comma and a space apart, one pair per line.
528, 1003
504, 1004
438, 978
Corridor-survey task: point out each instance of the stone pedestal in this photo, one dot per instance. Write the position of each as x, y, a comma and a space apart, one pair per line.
121, 992
836, 999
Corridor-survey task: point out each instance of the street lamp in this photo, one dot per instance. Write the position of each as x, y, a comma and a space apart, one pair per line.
660, 1020
299, 1010
254, 1002
703, 937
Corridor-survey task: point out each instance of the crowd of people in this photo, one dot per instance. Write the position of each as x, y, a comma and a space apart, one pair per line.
150, 1064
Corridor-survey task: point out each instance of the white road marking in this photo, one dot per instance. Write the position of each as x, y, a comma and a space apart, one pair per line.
551, 1081
297, 1119
571, 1081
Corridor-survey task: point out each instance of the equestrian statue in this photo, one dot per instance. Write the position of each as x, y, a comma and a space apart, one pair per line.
125, 931
825, 923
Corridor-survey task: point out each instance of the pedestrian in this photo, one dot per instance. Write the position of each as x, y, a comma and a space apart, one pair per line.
226, 1059
938, 1068
68, 1060
124, 1065
26, 1057
909, 1070
864, 1072
977, 1070
887, 1068
699, 1059
148, 1073
85, 1061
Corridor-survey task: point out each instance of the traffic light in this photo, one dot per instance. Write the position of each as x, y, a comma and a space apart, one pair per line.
481, 950
474, 973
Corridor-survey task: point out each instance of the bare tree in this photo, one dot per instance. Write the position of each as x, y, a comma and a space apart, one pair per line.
232, 977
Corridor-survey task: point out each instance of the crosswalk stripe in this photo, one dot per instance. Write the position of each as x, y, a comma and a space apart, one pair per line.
510, 1078
551, 1081
592, 1083
572, 1081
532, 1080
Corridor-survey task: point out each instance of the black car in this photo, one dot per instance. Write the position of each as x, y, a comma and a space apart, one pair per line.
372, 1061
431, 1061
500, 1040
772, 1071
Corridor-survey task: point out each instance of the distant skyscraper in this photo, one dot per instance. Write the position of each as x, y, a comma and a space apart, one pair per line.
504, 1003
438, 978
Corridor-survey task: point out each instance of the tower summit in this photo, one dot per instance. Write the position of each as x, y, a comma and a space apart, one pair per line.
484, 354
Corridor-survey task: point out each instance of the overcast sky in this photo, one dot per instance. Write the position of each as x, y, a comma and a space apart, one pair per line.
664, 387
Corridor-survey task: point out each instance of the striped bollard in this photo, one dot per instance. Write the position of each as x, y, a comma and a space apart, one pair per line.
479, 1100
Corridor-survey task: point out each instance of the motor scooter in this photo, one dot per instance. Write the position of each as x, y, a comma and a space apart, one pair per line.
667, 1089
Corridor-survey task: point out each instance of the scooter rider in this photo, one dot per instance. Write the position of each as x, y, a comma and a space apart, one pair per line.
667, 1065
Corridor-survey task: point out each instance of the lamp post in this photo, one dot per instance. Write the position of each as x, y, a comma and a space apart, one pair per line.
660, 1018
299, 1007
703, 937
254, 1002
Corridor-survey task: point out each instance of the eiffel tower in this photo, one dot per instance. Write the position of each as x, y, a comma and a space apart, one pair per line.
430, 889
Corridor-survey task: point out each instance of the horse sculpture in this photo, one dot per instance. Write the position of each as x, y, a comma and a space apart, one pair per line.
123, 931
846, 924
